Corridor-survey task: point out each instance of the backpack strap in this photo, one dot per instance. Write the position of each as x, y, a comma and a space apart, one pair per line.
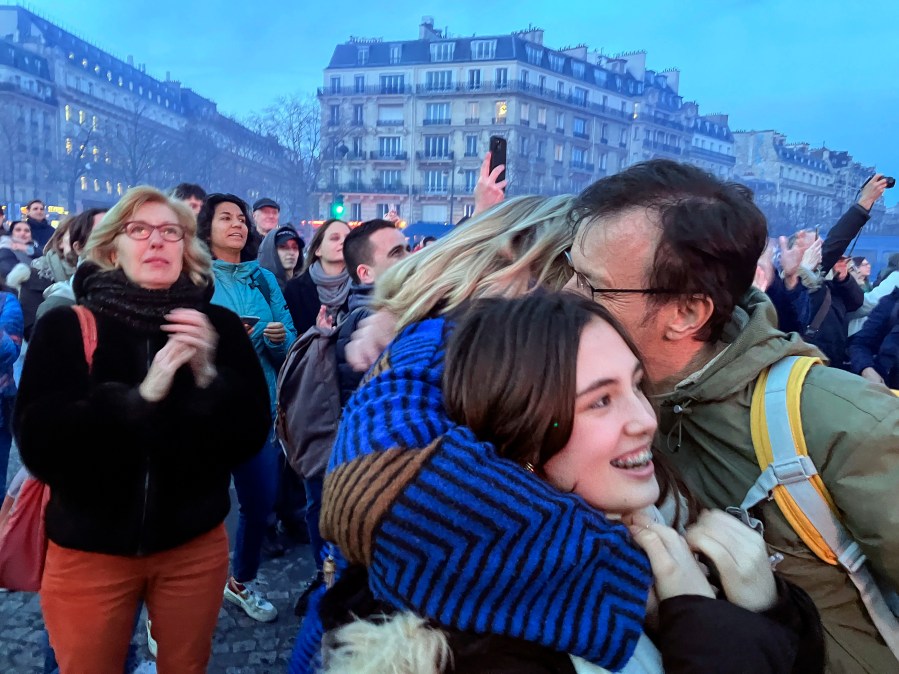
88, 323
823, 310
790, 477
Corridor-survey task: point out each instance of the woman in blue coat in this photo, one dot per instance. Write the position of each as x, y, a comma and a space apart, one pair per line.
253, 294
11, 323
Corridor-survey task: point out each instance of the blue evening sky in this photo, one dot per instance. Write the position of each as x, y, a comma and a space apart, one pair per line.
817, 70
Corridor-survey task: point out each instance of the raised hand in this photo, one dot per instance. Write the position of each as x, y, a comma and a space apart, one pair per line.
370, 339
488, 192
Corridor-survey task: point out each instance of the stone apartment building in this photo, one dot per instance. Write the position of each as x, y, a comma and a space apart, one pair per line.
78, 125
406, 123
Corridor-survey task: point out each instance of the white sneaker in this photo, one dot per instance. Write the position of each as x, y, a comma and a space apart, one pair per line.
251, 600
151, 642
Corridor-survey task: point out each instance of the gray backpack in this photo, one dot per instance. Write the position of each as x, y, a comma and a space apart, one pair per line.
308, 401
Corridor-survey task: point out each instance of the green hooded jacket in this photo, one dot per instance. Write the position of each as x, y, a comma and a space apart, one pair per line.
852, 432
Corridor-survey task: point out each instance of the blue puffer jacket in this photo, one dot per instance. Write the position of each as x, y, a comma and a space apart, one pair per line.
249, 290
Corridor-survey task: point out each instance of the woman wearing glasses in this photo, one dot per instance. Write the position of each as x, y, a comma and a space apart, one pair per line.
137, 440
252, 293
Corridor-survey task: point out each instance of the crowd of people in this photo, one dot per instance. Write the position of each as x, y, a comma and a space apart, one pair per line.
549, 450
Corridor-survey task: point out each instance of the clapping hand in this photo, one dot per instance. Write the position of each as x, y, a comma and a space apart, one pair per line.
193, 329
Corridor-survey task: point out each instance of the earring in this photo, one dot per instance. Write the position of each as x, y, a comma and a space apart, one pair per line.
529, 467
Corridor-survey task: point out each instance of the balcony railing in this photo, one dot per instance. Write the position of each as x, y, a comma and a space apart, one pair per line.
373, 187
376, 89
437, 121
525, 122
427, 157
388, 156
604, 141
499, 120
712, 155
356, 156
472, 121
540, 126
357, 122
661, 147
581, 134
560, 129
390, 122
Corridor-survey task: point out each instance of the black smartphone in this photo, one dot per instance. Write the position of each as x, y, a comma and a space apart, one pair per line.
498, 155
249, 321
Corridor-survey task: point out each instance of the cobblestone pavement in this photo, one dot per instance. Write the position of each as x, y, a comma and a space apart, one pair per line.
241, 645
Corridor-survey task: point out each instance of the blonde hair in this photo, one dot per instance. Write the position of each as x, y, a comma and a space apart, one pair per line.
507, 251
100, 247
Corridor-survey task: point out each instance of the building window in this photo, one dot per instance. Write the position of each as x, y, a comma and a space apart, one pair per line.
396, 53
523, 146
471, 179
81, 116
541, 117
108, 187
439, 80
437, 113
541, 149
579, 127
474, 78
524, 111
392, 84
541, 83
577, 69
94, 123
96, 185
560, 122
501, 110
474, 112
435, 181
334, 119
534, 54
442, 51
357, 176
83, 183
68, 146
560, 90
68, 113
390, 146
580, 96
357, 114
483, 49
118, 189
559, 152
437, 146
391, 178
390, 115
355, 211
501, 78
359, 84
468, 210
556, 62
523, 77
362, 55
335, 85
471, 145
577, 156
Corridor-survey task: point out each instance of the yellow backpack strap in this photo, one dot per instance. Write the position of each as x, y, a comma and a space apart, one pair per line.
789, 477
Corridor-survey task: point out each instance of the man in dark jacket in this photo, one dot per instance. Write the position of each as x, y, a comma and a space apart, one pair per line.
831, 305
369, 250
41, 230
265, 217
874, 350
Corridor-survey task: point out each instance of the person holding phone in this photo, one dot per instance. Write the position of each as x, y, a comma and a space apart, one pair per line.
253, 294
319, 295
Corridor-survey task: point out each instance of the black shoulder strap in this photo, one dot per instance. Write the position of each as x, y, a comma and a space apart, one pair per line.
262, 284
818, 320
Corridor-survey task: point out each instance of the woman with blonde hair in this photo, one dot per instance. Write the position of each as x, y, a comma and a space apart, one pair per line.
133, 409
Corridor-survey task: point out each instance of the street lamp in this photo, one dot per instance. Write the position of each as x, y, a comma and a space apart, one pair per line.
337, 147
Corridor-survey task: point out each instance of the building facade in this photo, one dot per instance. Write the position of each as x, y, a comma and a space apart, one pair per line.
407, 123
79, 126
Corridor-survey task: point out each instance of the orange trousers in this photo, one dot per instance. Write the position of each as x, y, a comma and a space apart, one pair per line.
89, 600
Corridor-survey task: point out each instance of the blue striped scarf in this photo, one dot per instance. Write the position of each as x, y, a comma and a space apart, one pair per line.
471, 540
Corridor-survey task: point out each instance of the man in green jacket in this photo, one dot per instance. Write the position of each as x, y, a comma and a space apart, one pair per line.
672, 252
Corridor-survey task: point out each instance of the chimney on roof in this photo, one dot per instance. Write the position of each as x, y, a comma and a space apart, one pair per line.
426, 29
130, 60
532, 34
717, 118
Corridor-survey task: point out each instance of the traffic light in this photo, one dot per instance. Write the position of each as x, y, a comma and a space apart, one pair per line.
337, 208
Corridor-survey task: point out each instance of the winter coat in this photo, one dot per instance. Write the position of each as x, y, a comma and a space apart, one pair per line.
41, 232
793, 306
130, 477
877, 343
9, 257
249, 290
46, 271
851, 428
302, 299
57, 295
833, 335
10, 347
268, 256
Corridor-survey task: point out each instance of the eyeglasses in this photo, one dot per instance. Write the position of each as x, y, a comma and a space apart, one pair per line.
584, 284
141, 231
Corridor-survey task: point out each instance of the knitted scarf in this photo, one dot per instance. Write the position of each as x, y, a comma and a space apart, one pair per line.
332, 290
449, 529
112, 294
53, 267
360, 295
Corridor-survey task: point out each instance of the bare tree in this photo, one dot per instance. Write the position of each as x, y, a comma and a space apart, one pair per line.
11, 133
76, 161
140, 144
295, 121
